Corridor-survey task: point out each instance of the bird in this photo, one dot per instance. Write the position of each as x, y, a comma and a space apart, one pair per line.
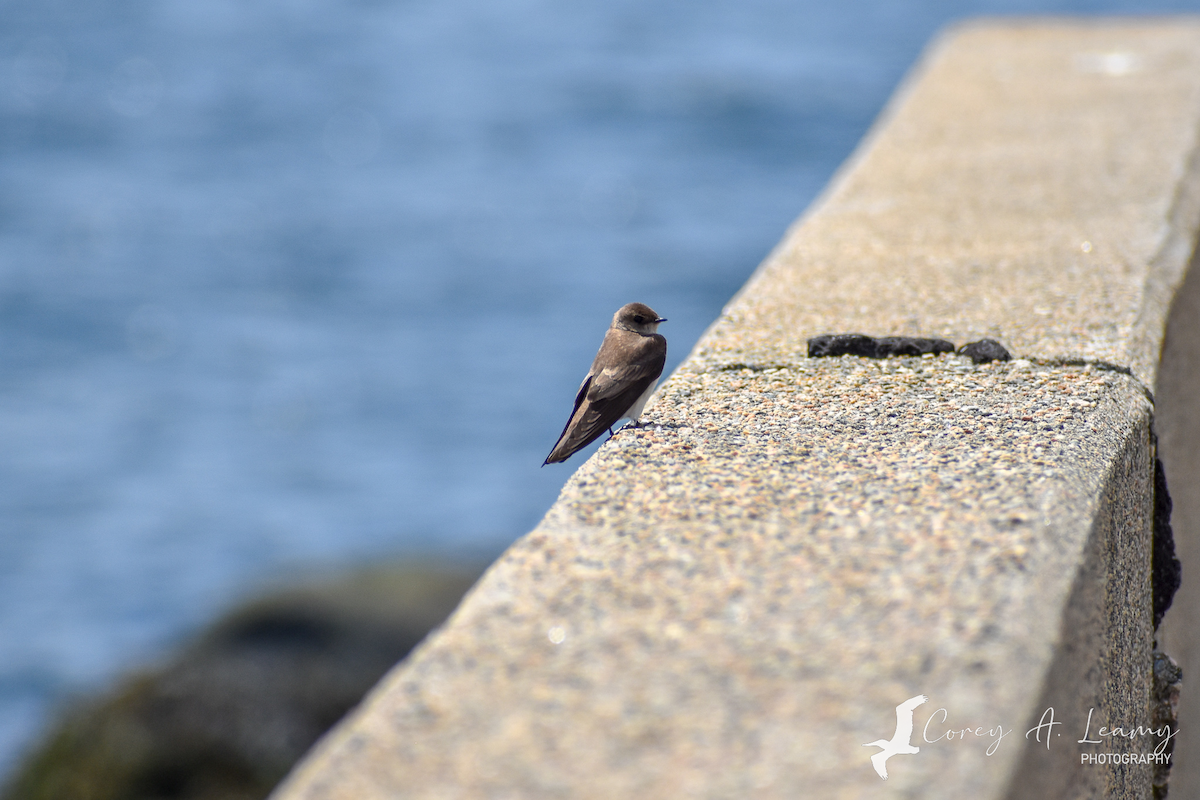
900, 739
621, 380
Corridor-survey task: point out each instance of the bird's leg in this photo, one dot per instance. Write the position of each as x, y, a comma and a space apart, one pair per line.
631, 424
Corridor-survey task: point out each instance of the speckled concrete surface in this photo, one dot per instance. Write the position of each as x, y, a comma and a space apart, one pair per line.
730, 601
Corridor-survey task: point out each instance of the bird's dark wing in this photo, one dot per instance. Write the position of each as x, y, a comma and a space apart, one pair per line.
615, 382
559, 452
606, 396
596, 416
642, 360
592, 418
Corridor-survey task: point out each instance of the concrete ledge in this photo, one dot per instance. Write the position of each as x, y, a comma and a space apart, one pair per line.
730, 602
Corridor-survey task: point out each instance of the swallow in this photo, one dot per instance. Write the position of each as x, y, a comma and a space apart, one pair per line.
621, 380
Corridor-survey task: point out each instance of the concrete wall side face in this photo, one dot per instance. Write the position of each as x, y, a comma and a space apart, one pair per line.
728, 603
1177, 422
1109, 656
1103, 662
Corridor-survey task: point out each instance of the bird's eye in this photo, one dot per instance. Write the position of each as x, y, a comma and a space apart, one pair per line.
639, 319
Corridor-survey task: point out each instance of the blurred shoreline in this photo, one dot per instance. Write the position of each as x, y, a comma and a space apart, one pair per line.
226, 715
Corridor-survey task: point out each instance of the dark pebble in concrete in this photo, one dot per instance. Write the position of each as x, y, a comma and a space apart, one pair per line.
857, 344
985, 350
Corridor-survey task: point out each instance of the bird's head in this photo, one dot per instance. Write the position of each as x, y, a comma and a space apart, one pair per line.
637, 317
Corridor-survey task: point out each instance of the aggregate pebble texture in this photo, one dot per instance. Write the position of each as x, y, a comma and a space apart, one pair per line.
731, 600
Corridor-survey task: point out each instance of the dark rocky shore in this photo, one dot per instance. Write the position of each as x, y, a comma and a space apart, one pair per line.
225, 718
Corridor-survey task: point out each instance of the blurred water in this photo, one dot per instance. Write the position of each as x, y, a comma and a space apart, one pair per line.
290, 283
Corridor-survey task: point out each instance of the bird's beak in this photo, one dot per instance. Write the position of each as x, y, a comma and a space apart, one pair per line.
661, 319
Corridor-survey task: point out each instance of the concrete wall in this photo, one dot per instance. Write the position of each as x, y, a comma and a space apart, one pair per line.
731, 601
1178, 424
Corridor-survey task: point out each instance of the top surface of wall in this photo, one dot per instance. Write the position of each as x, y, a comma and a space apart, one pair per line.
1025, 186
730, 602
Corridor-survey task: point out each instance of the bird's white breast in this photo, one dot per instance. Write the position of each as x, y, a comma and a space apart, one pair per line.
635, 410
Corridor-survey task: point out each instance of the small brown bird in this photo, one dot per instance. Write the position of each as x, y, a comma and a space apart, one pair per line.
621, 379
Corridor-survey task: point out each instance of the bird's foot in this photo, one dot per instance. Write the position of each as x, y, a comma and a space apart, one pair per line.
631, 425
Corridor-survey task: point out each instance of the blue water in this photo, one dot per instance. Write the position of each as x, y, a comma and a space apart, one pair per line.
298, 284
